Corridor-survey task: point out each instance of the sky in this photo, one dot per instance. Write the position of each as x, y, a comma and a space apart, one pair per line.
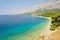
12, 7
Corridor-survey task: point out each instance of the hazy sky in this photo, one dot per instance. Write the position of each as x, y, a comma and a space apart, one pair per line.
9, 7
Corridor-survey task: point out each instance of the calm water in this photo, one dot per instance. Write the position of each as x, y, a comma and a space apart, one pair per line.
13, 25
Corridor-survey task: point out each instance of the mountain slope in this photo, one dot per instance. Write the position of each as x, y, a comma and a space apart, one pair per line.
50, 5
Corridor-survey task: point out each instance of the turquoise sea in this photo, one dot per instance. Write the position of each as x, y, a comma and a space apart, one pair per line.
14, 27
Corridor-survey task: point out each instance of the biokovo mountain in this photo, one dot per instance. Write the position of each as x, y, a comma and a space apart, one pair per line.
50, 6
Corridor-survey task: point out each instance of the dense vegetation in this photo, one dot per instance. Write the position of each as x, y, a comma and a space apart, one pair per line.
55, 16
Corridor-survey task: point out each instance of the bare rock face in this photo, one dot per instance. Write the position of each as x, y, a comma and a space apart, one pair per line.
55, 35
50, 5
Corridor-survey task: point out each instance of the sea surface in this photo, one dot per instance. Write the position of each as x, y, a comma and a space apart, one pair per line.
14, 27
